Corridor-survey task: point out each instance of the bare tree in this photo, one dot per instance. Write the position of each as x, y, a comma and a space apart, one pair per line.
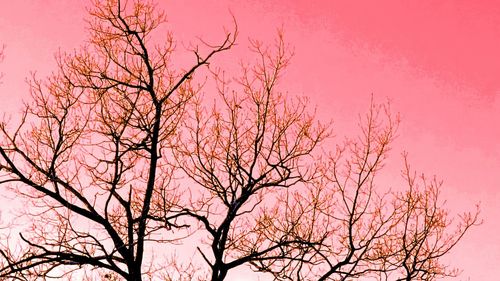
243, 151
91, 151
98, 153
354, 227
426, 231
340, 213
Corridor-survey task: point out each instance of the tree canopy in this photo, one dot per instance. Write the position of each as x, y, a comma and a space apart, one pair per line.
119, 156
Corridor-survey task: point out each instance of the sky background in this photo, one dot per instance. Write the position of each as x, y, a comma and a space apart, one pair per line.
436, 61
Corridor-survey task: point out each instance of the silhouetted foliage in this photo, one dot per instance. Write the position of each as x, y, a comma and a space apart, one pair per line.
256, 143
118, 156
90, 150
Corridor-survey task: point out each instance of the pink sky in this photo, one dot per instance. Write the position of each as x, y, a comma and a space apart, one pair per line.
437, 61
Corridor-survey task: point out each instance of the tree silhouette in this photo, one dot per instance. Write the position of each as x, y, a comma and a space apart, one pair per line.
426, 231
256, 143
118, 153
355, 228
90, 152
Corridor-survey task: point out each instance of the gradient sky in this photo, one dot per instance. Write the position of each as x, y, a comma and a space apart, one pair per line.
437, 61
